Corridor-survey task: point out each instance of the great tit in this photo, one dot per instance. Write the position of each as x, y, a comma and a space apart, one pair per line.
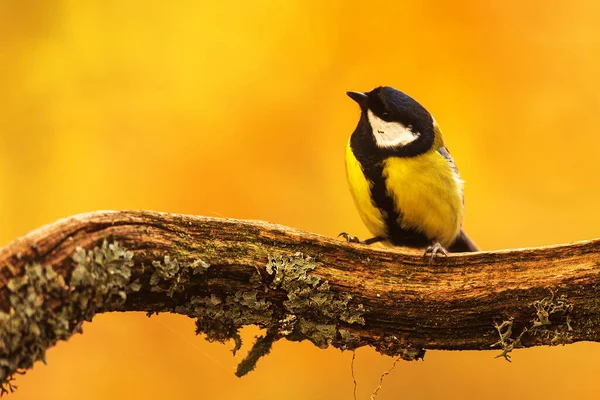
403, 180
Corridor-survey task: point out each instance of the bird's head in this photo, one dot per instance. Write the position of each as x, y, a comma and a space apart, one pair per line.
395, 119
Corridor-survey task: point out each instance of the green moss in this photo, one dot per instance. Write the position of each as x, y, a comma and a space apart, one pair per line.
44, 308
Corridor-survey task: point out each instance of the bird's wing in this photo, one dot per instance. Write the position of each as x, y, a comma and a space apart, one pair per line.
446, 154
463, 243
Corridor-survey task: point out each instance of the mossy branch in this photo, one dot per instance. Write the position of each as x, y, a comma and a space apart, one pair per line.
228, 273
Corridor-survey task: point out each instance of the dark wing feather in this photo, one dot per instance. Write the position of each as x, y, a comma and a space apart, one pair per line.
446, 154
463, 243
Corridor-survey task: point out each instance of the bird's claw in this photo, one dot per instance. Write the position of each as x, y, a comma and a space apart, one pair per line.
435, 249
349, 238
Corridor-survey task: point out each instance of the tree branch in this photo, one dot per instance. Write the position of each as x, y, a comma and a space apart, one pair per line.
229, 273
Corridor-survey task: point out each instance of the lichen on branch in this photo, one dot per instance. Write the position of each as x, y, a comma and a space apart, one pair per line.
45, 307
296, 285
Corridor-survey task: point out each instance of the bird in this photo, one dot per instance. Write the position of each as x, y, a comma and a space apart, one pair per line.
403, 180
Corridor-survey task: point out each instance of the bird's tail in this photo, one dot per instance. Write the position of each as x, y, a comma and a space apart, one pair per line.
463, 244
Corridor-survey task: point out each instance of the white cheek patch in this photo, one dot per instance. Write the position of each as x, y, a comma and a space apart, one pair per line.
390, 134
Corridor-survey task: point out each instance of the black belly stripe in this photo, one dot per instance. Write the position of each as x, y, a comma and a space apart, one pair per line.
391, 214
371, 159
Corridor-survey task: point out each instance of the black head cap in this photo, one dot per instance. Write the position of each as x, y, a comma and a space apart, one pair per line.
390, 105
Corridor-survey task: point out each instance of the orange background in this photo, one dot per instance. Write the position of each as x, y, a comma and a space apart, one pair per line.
238, 109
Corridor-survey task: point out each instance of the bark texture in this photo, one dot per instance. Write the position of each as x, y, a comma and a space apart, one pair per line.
228, 273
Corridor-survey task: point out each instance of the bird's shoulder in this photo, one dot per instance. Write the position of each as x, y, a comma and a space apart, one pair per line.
443, 151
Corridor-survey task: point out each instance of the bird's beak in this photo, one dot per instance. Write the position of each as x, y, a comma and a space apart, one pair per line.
359, 97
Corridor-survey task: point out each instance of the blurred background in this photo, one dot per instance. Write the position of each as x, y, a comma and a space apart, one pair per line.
237, 109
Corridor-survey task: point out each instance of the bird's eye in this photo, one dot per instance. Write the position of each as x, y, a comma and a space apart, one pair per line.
384, 115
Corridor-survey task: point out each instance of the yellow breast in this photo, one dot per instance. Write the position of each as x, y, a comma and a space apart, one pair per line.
428, 194
360, 188
425, 189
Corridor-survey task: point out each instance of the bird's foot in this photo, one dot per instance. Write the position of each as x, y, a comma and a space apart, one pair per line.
349, 238
354, 239
435, 249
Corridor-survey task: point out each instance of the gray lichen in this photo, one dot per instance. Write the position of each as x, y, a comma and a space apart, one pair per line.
261, 348
550, 306
311, 310
412, 353
101, 276
392, 345
348, 339
221, 317
551, 311
44, 308
308, 294
174, 274
506, 342
320, 333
